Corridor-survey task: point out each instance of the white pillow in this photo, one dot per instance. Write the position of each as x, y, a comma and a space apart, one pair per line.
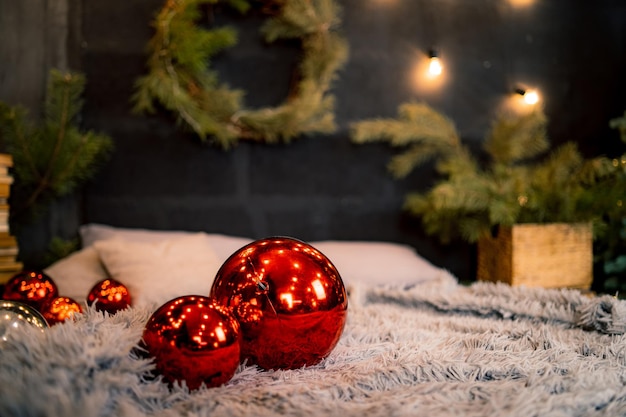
378, 263
77, 273
223, 245
156, 272
366, 262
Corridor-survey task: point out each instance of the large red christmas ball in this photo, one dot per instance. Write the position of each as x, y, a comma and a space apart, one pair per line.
30, 287
109, 295
60, 309
288, 298
194, 340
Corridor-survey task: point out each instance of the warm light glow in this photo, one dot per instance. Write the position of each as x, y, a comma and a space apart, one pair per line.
219, 333
434, 67
522, 200
287, 298
427, 74
320, 293
199, 340
516, 103
385, 2
521, 3
530, 97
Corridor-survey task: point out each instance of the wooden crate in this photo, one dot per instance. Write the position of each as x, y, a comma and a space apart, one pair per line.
552, 255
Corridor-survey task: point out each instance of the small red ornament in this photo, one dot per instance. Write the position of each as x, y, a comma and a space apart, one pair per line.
30, 287
194, 340
60, 309
109, 295
288, 298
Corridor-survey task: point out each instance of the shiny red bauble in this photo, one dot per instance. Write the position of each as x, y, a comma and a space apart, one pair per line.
109, 295
193, 340
30, 287
60, 309
288, 298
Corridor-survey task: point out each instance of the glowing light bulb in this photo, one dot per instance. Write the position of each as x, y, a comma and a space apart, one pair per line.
434, 67
530, 97
427, 74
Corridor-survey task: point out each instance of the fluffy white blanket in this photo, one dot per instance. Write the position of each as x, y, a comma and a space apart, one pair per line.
436, 349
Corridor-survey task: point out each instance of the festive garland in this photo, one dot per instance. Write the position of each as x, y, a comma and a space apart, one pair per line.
180, 79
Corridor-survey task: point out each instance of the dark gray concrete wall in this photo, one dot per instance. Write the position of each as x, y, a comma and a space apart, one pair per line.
36, 36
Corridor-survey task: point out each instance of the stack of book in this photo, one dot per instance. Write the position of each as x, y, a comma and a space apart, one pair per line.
9, 250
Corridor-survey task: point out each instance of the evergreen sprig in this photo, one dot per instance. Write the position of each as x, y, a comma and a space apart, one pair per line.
523, 181
423, 131
180, 78
53, 157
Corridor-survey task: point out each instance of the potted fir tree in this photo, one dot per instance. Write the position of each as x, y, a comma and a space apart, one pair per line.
532, 210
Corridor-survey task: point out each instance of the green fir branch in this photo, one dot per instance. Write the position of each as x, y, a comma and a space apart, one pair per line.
55, 157
520, 183
525, 138
417, 123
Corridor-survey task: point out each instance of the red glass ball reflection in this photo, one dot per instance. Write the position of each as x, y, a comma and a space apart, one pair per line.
109, 295
60, 309
193, 340
288, 298
30, 287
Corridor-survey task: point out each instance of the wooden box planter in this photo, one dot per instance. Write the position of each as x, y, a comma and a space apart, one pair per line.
549, 255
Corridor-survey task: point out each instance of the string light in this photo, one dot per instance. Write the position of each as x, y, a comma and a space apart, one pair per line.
434, 65
427, 74
531, 97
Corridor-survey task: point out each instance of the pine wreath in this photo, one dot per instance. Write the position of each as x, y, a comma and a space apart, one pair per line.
180, 79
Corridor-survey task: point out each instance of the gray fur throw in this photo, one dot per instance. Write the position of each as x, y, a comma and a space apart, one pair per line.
435, 349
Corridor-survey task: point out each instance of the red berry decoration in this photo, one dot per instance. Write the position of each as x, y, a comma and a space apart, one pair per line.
110, 296
60, 309
288, 298
30, 287
194, 340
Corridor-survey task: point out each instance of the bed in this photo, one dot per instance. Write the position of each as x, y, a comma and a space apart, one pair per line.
416, 342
